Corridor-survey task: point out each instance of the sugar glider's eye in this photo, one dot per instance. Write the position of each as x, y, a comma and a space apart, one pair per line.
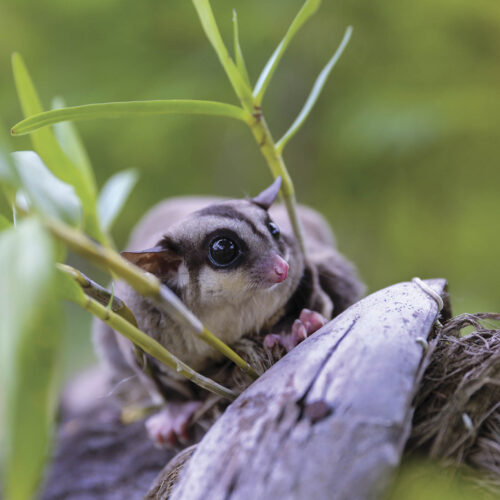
222, 252
274, 229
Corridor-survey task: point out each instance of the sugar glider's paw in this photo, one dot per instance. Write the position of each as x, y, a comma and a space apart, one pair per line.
308, 322
312, 320
171, 425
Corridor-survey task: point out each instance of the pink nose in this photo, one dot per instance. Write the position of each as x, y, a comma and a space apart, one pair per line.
280, 269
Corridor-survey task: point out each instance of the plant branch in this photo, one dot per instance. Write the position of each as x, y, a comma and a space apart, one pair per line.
151, 346
107, 299
146, 284
275, 161
99, 293
258, 126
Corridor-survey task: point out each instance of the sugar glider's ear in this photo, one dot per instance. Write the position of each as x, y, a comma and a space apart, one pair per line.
158, 260
267, 197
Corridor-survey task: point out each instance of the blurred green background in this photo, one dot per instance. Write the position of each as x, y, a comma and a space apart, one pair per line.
401, 153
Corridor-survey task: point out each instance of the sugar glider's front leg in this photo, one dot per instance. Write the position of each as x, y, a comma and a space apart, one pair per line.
307, 323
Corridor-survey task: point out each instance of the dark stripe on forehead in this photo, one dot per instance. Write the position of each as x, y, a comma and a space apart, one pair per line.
229, 212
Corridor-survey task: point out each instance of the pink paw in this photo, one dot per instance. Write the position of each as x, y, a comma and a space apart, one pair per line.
170, 426
308, 322
312, 320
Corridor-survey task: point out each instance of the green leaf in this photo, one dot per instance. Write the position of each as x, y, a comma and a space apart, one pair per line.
126, 109
238, 54
68, 288
46, 193
46, 145
240, 86
72, 145
4, 223
307, 10
316, 90
30, 338
44, 141
113, 196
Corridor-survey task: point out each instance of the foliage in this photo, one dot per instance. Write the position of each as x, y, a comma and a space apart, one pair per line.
401, 152
251, 111
113, 196
58, 183
30, 335
409, 177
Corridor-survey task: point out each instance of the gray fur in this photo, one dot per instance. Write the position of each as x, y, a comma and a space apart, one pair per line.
231, 302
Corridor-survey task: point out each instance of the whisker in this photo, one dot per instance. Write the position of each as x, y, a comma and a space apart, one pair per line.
117, 385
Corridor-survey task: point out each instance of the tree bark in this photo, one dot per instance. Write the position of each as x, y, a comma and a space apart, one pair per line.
330, 419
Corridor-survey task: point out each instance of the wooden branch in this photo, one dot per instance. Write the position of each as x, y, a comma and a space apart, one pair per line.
329, 420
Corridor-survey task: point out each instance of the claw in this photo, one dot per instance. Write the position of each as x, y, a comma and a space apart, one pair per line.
308, 322
171, 425
271, 340
312, 320
299, 332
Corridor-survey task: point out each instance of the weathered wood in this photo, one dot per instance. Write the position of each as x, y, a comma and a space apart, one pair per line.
330, 419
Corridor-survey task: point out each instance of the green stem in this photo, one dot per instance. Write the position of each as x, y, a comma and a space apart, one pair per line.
146, 284
98, 293
105, 298
250, 103
152, 347
268, 148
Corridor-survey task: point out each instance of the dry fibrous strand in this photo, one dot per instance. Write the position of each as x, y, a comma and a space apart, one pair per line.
457, 417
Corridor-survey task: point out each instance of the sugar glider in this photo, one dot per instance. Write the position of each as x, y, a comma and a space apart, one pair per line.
238, 267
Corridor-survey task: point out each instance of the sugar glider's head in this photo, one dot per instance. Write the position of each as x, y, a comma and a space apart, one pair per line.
226, 252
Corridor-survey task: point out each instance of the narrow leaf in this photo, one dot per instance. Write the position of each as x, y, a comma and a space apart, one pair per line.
238, 54
316, 90
46, 145
307, 10
44, 141
45, 192
242, 89
113, 196
126, 109
72, 145
30, 337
